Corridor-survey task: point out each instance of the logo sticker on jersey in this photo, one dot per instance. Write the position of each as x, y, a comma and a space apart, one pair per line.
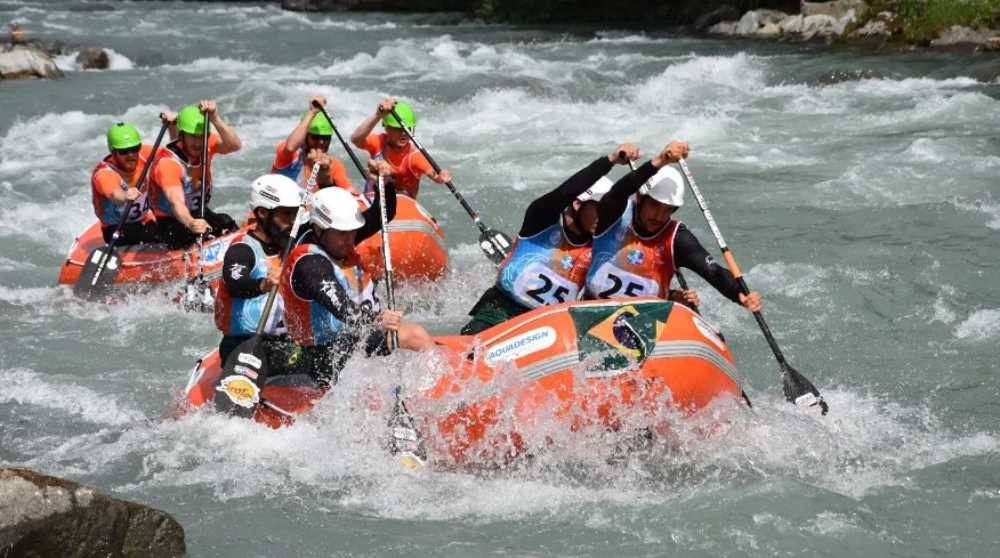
635, 257
566, 261
215, 251
241, 391
521, 345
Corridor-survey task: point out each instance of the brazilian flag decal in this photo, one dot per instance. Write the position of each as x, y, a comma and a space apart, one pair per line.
621, 334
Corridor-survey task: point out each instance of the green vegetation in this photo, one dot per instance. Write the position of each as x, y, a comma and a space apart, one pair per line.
921, 21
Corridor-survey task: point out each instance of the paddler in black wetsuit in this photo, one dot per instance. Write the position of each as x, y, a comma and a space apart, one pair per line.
638, 246
552, 253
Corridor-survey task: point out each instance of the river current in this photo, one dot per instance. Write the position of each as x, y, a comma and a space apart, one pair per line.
866, 212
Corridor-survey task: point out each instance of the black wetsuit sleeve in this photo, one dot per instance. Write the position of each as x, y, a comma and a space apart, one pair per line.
613, 203
690, 254
373, 220
546, 210
236, 267
314, 279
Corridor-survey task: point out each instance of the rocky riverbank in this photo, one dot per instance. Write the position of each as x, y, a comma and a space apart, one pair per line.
48, 516
848, 21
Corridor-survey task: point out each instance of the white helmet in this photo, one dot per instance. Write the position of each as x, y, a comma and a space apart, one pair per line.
596, 190
274, 190
336, 208
666, 186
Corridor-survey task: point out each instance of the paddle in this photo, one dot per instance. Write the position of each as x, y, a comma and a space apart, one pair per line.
404, 439
798, 389
198, 294
247, 367
347, 147
495, 244
102, 266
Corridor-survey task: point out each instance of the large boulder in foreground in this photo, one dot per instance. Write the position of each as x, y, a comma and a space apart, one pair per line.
44, 516
27, 62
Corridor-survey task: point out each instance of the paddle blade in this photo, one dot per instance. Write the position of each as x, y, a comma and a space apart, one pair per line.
404, 440
198, 297
801, 391
238, 390
495, 244
98, 274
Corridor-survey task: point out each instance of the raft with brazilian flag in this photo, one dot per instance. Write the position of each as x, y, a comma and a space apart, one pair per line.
602, 364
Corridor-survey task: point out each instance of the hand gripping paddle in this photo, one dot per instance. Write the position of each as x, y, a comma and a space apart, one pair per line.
198, 293
246, 369
103, 264
798, 389
495, 244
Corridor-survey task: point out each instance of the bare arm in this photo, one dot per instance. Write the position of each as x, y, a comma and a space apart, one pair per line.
360, 135
231, 142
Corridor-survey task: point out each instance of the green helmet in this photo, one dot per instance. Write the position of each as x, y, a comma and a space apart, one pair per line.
405, 111
320, 126
190, 120
123, 136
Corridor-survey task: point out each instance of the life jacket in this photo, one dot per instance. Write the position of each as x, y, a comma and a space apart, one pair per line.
626, 264
236, 316
407, 181
191, 181
545, 268
294, 169
309, 323
110, 212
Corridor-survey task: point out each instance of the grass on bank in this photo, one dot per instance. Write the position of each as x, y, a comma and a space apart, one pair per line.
924, 20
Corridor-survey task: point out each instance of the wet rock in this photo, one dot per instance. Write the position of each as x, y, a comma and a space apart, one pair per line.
840, 76
988, 73
720, 14
959, 35
768, 31
748, 24
791, 25
315, 5
836, 9
723, 28
820, 26
48, 516
880, 26
770, 16
27, 62
93, 58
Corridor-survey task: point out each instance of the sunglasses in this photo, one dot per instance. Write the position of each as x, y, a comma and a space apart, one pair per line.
129, 151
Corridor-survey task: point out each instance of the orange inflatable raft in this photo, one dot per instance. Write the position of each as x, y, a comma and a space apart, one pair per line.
147, 263
416, 243
611, 365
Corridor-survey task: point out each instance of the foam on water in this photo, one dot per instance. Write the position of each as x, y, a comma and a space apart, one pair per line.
116, 61
981, 325
27, 387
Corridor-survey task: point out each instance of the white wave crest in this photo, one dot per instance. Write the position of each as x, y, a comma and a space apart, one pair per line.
27, 387
980, 325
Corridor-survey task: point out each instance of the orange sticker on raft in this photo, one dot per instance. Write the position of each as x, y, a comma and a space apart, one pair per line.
241, 391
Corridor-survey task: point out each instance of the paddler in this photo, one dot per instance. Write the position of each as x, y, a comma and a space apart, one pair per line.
309, 143
550, 258
113, 184
177, 177
638, 246
251, 267
330, 303
393, 145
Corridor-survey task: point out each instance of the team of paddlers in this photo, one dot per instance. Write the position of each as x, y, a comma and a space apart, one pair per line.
587, 238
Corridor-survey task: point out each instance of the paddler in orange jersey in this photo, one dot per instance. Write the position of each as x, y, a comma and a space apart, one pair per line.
177, 177
393, 145
113, 182
638, 246
330, 304
309, 143
550, 258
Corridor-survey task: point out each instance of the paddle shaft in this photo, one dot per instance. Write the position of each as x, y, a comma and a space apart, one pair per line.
437, 168
390, 296
727, 254
347, 147
272, 294
128, 206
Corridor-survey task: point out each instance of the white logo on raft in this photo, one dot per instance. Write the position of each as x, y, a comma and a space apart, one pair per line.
708, 330
521, 345
236, 271
247, 358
